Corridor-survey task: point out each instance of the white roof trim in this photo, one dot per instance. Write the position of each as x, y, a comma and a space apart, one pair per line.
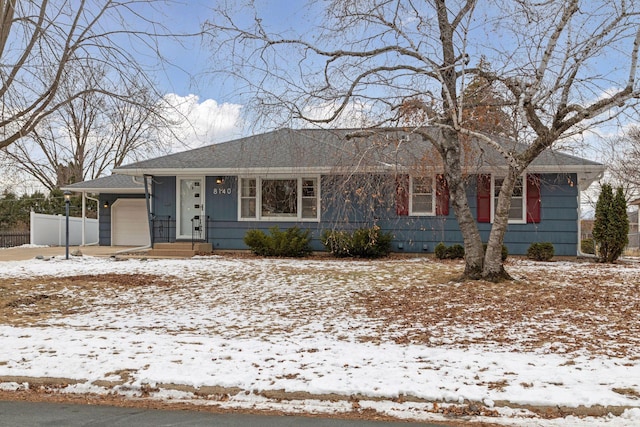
104, 190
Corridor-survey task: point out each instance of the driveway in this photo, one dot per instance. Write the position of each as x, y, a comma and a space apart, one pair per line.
22, 253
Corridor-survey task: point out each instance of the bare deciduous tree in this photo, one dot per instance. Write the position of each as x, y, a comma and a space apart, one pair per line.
89, 136
561, 67
44, 44
622, 156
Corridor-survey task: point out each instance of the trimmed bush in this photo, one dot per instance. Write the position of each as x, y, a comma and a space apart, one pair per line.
541, 251
371, 243
455, 252
587, 246
339, 243
362, 243
257, 240
292, 242
449, 252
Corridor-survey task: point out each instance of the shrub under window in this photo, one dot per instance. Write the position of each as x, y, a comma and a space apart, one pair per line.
292, 242
363, 243
443, 251
541, 251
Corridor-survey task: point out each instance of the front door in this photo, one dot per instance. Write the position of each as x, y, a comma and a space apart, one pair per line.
191, 208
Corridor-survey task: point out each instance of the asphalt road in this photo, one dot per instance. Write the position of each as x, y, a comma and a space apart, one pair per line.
32, 414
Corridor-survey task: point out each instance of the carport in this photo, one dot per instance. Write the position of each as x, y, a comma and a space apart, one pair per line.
123, 215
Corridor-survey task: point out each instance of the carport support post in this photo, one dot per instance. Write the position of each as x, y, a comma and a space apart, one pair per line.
67, 200
147, 198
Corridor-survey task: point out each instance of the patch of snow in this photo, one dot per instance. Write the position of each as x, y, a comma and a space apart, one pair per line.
237, 333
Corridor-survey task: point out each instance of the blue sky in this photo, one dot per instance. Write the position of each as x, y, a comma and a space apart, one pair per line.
194, 57
210, 102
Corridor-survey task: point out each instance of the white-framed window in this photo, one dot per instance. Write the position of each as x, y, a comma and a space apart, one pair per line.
518, 208
422, 196
279, 198
248, 194
309, 198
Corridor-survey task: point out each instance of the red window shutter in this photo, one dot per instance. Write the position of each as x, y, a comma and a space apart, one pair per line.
484, 198
442, 196
402, 195
533, 198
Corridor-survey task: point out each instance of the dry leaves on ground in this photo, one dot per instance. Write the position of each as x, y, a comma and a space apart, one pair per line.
563, 307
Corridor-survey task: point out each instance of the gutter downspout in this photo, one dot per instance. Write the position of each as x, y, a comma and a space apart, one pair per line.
147, 198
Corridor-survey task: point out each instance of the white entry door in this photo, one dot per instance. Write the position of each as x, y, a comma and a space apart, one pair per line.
190, 208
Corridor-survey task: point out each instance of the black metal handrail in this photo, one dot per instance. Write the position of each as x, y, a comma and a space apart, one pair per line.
198, 231
162, 229
208, 229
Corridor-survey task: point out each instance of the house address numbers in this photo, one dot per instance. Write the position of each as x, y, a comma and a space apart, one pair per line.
221, 191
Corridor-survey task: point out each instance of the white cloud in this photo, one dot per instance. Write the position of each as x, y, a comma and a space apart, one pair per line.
203, 122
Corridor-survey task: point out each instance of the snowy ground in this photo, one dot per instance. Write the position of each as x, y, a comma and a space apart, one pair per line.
395, 337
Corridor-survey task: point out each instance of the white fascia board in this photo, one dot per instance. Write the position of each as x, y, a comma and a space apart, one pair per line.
584, 170
545, 169
587, 174
577, 169
104, 190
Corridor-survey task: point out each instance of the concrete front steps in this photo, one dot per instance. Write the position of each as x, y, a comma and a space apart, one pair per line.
180, 249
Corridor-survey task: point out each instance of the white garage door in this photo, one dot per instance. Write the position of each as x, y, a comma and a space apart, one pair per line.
129, 224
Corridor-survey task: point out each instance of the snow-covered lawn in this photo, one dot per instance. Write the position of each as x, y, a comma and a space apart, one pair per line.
394, 336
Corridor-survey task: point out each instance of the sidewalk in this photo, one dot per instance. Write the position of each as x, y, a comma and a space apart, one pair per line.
22, 253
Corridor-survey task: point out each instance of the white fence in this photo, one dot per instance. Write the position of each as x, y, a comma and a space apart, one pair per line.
51, 230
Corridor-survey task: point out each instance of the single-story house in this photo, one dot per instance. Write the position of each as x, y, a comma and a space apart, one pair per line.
336, 179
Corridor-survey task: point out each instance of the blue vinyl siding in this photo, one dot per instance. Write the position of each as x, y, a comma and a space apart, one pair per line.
559, 218
221, 198
349, 209
164, 196
163, 206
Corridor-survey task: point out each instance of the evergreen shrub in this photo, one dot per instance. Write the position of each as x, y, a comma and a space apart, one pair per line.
443, 251
611, 224
587, 246
362, 243
541, 251
292, 242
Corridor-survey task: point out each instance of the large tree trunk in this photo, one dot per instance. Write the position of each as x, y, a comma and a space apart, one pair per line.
493, 268
474, 252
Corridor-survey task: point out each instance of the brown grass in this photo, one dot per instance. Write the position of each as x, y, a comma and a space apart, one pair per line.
586, 307
30, 302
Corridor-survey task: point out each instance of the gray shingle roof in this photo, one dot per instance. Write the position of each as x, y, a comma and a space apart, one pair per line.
278, 149
327, 149
113, 183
